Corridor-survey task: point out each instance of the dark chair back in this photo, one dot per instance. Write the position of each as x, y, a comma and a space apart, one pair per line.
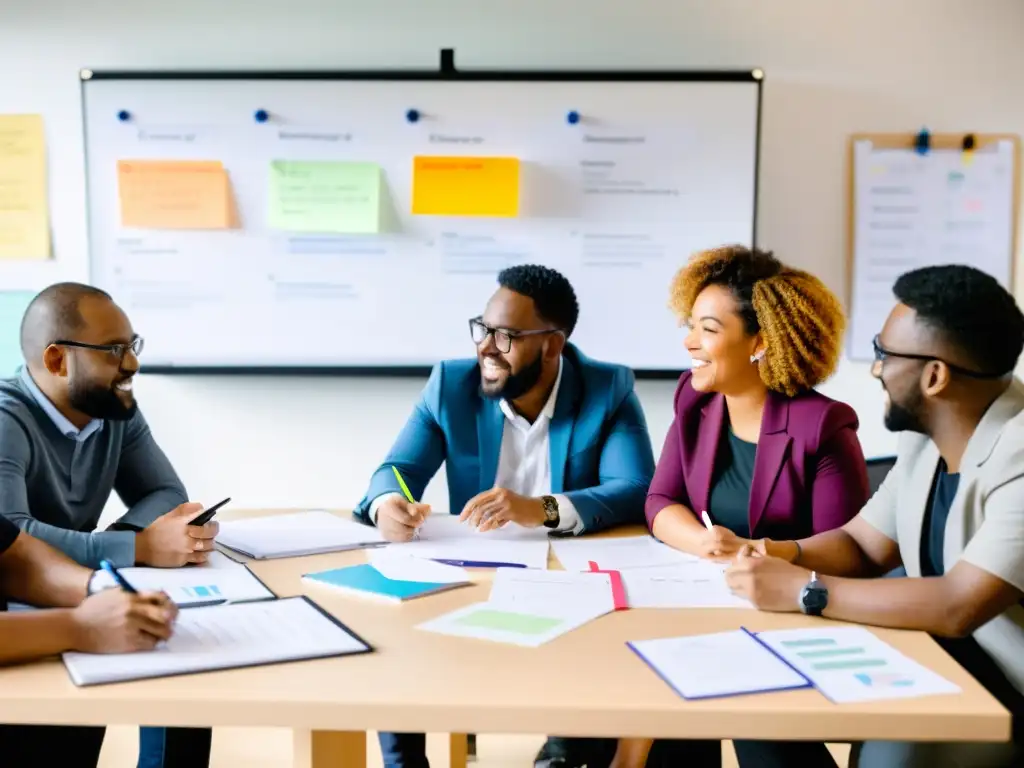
878, 468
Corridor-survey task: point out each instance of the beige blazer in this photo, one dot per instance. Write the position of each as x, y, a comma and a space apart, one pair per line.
986, 520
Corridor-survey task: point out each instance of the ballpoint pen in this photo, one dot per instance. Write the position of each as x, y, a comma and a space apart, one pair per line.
122, 582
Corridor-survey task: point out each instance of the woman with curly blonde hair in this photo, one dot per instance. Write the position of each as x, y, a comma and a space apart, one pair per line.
754, 452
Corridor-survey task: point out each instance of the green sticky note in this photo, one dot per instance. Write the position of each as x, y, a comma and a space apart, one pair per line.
324, 196
506, 621
12, 307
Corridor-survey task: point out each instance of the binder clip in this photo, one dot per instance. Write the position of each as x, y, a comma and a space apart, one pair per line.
923, 142
970, 143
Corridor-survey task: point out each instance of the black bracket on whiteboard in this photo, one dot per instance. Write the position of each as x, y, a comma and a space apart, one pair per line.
448, 62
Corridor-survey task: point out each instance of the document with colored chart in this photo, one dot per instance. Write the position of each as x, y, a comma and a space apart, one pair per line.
219, 580
530, 607
850, 664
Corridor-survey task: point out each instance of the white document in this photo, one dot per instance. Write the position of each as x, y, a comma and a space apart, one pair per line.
396, 565
696, 584
295, 534
914, 210
219, 580
225, 637
719, 664
442, 537
617, 554
530, 608
850, 664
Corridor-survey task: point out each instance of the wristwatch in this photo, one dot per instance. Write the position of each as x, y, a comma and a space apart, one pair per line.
551, 516
813, 597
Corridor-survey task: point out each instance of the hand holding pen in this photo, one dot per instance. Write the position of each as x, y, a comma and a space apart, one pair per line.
122, 620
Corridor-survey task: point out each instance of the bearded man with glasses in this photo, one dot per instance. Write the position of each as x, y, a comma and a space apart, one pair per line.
71, 434
531, 431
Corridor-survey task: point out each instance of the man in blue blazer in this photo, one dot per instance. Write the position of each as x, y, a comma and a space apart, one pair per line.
531, 432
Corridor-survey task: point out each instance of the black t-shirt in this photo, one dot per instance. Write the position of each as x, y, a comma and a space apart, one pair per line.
966, 650
8, 533
729, 501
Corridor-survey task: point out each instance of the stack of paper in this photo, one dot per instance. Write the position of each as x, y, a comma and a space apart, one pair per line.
226, 637
653, 574
296, 534
530, 607
219, 580
617, 554
443, 538
850, 664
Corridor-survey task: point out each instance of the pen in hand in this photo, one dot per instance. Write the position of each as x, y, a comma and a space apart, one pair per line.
405, 492
122, 582
707, 520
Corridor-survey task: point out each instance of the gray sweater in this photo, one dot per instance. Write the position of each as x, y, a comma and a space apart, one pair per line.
55, 486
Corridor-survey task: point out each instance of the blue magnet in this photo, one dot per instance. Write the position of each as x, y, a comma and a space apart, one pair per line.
412, 115
261, 115
573, 117
922, 142
124, 115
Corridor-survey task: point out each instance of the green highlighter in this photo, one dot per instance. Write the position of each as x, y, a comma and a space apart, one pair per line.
405, 490
402, 485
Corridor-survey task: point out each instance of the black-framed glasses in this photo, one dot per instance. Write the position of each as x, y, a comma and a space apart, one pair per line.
117, 351
503, 337
881, 353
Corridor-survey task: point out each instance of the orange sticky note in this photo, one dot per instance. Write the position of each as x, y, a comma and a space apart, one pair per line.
174, 194
465, 186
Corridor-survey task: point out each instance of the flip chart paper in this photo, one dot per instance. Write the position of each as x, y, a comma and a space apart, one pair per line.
12, 306
465, 186
174, 194
337, 197
24, 211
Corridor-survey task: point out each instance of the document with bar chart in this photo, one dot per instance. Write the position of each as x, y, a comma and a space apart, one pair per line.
850, 664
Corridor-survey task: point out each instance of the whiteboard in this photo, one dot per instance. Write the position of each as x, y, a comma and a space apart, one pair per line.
914, 210
655, 167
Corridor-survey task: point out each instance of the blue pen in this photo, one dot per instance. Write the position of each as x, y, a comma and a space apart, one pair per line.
477, 563
122, 582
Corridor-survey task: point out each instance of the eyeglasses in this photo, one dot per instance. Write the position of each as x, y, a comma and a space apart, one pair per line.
117, 351
503, 337
881, 353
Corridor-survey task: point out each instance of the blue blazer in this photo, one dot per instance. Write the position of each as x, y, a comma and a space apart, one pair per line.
601, 455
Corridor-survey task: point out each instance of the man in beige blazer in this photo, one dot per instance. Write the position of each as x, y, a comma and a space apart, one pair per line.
951, 509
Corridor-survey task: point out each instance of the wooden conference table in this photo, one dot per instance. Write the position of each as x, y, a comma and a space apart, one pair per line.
586, 683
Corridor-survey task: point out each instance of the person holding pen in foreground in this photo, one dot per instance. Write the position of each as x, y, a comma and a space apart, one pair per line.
951, 510
753, 450
531, 432
110, 621
70, 434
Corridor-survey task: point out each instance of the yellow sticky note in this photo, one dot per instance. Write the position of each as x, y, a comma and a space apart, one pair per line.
324, 196
24, 210
465, 186
174, 194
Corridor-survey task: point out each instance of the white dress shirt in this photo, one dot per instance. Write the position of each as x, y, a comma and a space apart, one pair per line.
524, 462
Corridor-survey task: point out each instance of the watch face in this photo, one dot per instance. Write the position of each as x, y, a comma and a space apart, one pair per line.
814, 599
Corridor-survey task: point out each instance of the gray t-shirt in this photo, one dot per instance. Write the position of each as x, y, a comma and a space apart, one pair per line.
55, 480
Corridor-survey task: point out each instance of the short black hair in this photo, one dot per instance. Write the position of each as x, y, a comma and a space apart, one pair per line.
551, 292
54, 314
970, 310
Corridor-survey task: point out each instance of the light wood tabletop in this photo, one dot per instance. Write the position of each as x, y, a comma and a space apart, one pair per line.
585, 683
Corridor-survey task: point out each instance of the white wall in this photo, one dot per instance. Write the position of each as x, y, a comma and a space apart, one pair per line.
832, 68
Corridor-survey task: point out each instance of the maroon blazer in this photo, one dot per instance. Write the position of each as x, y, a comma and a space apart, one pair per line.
809, 472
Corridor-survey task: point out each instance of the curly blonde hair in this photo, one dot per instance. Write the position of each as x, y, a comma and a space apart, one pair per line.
799, 318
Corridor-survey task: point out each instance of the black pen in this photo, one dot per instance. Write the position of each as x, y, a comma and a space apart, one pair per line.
122, 582
207, 514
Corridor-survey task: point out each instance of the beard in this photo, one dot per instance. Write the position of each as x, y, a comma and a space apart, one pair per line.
100, 402
905, 417
516, 384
